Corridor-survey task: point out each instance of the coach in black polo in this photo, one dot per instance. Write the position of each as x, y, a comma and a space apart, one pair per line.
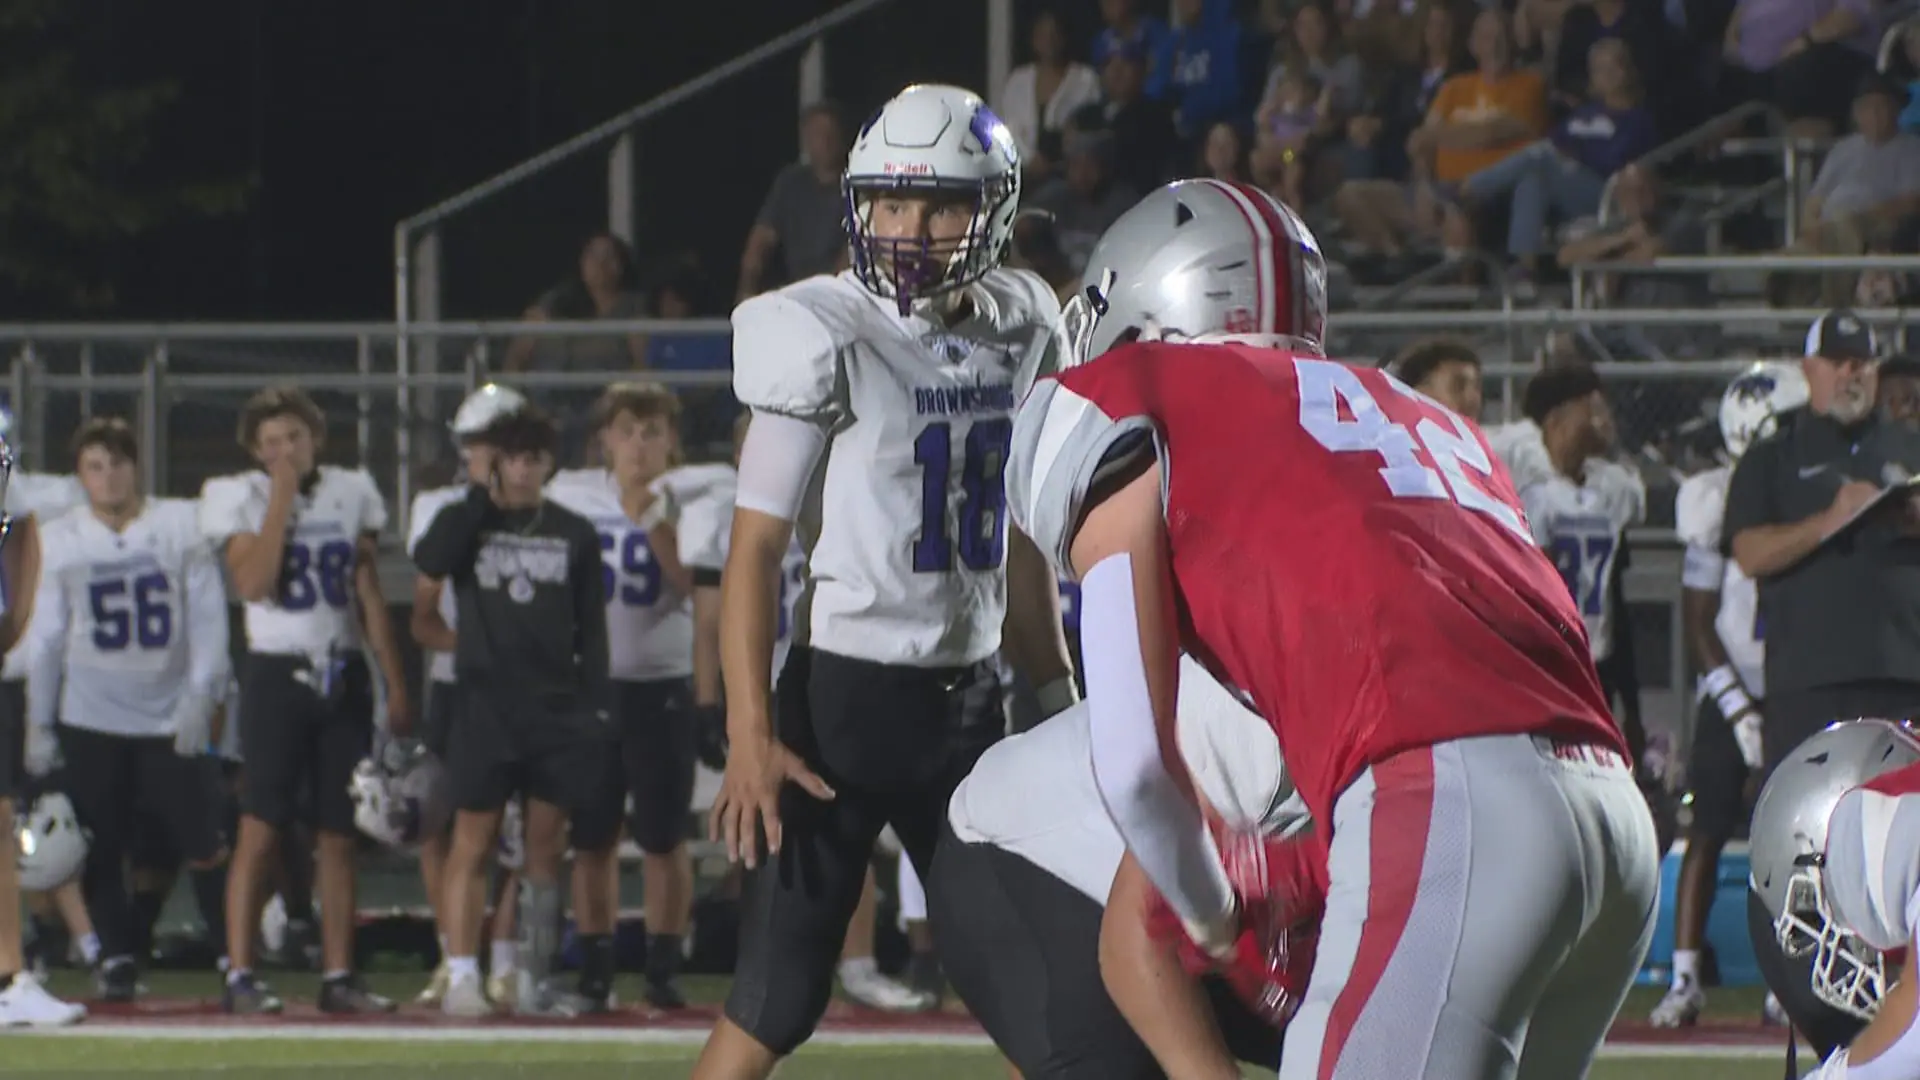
1839, 593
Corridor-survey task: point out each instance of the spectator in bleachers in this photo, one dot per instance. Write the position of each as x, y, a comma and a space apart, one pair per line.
1087, 197
1295, 112
1640, 28
600, 288
1536, 27
1314, 85
1223, 154
1561, 178
680, 298
1801, 55
1143, 136
800, 219
1866, 192
1038, 97
1316, 50
1899, 394
1205, 78
1125, 26
1481, 118
1904, 66
1646, 228
1388, 34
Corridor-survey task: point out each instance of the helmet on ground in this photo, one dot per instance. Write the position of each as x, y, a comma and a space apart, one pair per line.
1788, 849
485, 405
400, 794
1755, 399
1202, 260
50, 845
944, 144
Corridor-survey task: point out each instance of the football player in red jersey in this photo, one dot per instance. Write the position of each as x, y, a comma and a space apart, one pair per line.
1348, 554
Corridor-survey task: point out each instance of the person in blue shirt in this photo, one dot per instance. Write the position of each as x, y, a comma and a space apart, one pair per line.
1126, 28
1206, 65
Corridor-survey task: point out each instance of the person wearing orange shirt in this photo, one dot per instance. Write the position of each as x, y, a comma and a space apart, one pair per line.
1478, 119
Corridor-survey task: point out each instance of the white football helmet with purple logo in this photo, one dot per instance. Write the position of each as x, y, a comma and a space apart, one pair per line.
400, 794
50, 847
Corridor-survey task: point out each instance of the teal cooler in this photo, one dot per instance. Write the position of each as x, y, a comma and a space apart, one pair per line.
1726, 923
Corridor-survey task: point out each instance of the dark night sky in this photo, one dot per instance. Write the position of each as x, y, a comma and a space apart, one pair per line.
356, 113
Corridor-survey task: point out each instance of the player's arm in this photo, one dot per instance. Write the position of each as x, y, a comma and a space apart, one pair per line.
446, 549
377, 622
1031, 630
45, 650
664, 539
20, 580
430, 630
254, 559
209, 655
1761, 543
1163, 1004
706, 637
1130, 640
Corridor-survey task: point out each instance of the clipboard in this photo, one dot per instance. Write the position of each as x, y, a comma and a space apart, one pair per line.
1906, 487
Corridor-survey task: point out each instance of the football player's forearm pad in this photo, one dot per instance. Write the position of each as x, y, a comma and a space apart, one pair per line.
776, 463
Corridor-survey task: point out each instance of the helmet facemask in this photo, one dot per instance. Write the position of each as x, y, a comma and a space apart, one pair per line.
910, 269
1848, 974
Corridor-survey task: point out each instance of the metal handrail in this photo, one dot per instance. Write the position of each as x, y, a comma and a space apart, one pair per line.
1687, 142
1714, 264
1399, 290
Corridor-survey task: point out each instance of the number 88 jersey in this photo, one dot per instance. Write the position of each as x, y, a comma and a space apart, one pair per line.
311, 612
1346, 552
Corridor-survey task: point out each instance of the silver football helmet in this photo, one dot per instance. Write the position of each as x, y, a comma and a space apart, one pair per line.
1202, 260
1754, 401
50, 846
482, 407
931, 141
1788, 849
400, 794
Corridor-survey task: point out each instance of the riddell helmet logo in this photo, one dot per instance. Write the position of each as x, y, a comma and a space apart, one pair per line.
1240, 321
909, 168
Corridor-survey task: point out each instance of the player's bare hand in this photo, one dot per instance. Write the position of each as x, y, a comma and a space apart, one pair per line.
285, 478
1852, 495
399, 713
480, 465
749, 799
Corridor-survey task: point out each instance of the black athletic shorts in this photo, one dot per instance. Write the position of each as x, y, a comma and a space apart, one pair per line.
13, 739
1794, 716
893, 742
436, 721
650, 782
506, 743
300, 746
135, 793
1022, 949
1717, 776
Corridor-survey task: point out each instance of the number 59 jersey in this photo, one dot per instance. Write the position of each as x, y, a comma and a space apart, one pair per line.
649, 624
127, 621
1345, 550
904, 522
311, 611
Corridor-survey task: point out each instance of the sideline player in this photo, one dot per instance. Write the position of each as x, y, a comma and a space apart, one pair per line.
882, 402
128, 647
1445, 369
1029, 861
300, 541
650, 660
1721, 609
1367, 577
530, 661
1836, 870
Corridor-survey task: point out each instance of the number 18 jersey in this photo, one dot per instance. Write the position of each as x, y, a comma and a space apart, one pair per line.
1345, 550
311, 611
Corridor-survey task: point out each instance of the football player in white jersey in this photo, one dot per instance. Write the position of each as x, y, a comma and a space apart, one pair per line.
1580, 505
1720, 607
1445, 369
882, 406
300, 541
128, 647
650, 652
432, 627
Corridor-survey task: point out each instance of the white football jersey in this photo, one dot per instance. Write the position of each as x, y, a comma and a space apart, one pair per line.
426, 506
126, 622
905, 522
649, 623
1034, 794
44, 496
1580, 525
313, 612
227, 747
706, 533
1698, 514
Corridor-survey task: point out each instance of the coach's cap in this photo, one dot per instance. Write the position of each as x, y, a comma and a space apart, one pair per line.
1841, 335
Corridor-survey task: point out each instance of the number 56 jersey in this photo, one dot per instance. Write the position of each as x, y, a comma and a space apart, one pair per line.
904, 522
311, 611
1345, 550
126, 621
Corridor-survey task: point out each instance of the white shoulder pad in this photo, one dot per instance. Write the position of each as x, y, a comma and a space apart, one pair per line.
691, 483
706, 520
43, 495
786, 347
1622, 488
180, 518
1700, 507
59, 538
426, 506
1060, 442
1233, 755
1024, 299
373, 505
1519, 445
226, 506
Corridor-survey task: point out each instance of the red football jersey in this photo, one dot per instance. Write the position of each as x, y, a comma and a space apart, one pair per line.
1903, 781
1346, 551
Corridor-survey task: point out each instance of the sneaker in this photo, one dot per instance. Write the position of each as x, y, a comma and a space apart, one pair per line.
25, 1003
869, 987
503, 988
465, 1000
436, 990
664, 994
349, 994
546, 1000
117, 981
1773, 1014
1681, 1006
924, 975
245, 995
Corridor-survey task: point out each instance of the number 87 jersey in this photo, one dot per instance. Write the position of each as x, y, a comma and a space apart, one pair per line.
311, 612
1347, 552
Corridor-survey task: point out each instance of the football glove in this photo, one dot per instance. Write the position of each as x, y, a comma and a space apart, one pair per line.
192, 724
42, 753
710, 734
1746, 732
